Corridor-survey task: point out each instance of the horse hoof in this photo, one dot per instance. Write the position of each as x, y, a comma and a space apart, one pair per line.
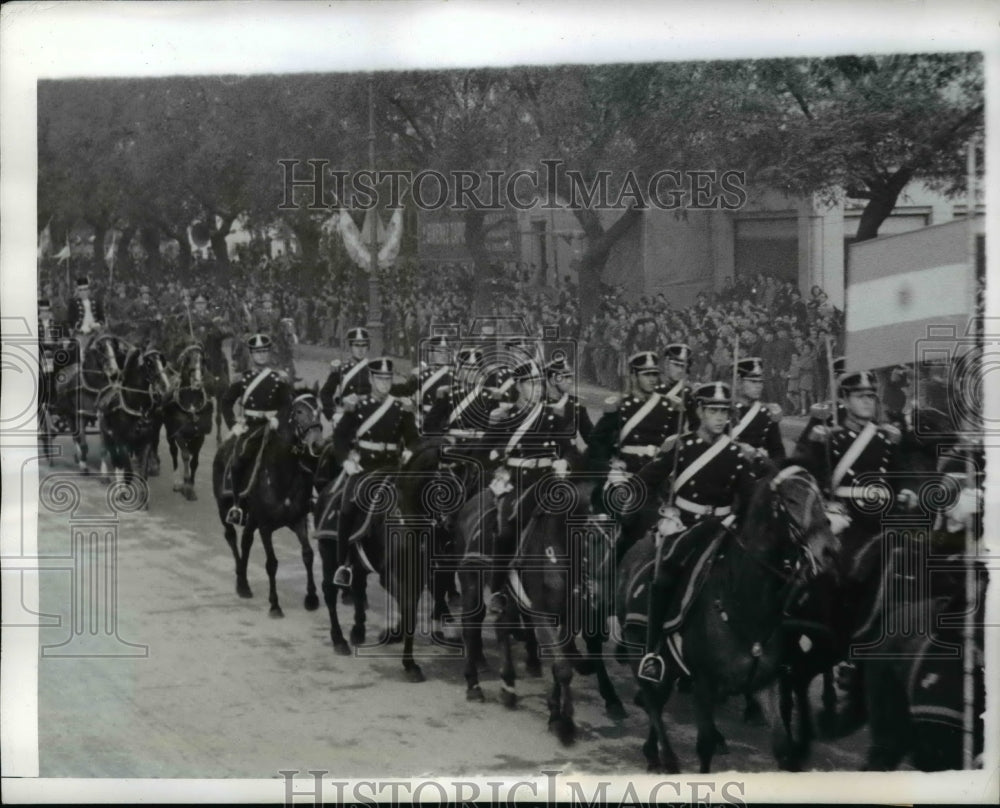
243, 590
670, 766
564, 729
190, 495
347, 598
533, 667
276, 612
615, 710
414, 674
312, 602
357, 636
721, 746
475, 693
508, 698
341, 647
178, 487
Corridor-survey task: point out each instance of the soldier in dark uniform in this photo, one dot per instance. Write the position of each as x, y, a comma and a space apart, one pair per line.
558, 383
461, 409
712, 479
53, 352
427, 380
262, 391
755, 424
374, 437
677, 388
348, 380
820, 413
531, 440
500, 383
859, 447
264, 319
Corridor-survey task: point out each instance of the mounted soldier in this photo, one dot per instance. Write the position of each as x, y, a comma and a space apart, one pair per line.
755, 424
347, 381
428, 382
821, 412
53, 353
860, 458
261, 392
146, 319
531, 440
85, 315
265, 317
375, 436
701, 474
558, 383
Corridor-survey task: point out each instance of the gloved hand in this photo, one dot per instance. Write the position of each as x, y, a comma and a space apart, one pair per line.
907, 499
560, 466
838, 518
892, 433
500, 484
273, 422
775, 411
748, 451
405, 456
350, 402
352, 466
820, 412
669, 444
819, 434
669, 523
616, 476
239, 427
335, 364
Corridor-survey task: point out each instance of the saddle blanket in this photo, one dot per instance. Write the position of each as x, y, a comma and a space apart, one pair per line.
695, 563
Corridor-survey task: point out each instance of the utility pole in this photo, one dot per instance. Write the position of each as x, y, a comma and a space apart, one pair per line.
374, 298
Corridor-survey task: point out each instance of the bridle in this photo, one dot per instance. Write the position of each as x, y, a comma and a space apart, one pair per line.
192, 360
312, 405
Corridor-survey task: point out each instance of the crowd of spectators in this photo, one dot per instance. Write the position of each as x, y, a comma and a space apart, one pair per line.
767, 316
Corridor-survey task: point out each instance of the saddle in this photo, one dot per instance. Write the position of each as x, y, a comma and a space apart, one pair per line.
693, 560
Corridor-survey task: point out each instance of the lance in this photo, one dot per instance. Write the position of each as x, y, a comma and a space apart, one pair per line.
833, 410
187, 308
736, 359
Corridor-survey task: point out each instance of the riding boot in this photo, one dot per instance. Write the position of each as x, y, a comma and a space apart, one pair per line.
652, 667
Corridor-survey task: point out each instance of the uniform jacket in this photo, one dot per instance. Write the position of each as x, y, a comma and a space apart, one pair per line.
425, 385
74, 316
535, 430
331, 394
272, 393
761, 431
395, 426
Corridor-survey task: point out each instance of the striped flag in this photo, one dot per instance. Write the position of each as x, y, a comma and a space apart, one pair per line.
901, 286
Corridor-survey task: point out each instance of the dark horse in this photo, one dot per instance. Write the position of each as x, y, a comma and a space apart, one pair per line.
730, 639
561, 583
278, 491
832, 612
187, 416
131, 414
77, 388
478, 527
219, 370
405, 515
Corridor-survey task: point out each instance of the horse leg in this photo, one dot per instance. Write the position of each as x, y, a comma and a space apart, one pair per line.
612, 703
409, 601
312, 600
178, 473
753, 714
560, 699
271, 565
473, 612
359, 588
328, 555
826, 721
246, 542
653, 698
533, 663
191, 466
888, 717
504, 628
708, 733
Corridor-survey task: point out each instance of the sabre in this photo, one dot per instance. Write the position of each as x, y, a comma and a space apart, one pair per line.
187, 308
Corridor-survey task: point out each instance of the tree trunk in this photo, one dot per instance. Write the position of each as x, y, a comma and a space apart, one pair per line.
123, 259
184, 256
99, 267
217, 238
594, 258
149, 238
881, 202
475, 243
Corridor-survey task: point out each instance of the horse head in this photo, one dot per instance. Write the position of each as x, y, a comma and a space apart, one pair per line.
788, 513
190, 364
302, 419
105, 349
154, 373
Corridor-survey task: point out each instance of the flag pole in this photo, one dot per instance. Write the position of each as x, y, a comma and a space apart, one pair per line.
968, 627
374, 303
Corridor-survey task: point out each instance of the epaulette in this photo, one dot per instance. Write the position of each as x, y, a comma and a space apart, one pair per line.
612, 403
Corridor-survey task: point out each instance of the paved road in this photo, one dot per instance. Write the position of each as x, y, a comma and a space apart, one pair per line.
225, 691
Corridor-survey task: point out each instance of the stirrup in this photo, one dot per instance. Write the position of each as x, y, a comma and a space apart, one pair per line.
497, 604
652, 668
343, 576
234, 516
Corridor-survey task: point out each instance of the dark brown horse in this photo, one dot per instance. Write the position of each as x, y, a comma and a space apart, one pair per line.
187, 416
278, 491
131, 413
731, 640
